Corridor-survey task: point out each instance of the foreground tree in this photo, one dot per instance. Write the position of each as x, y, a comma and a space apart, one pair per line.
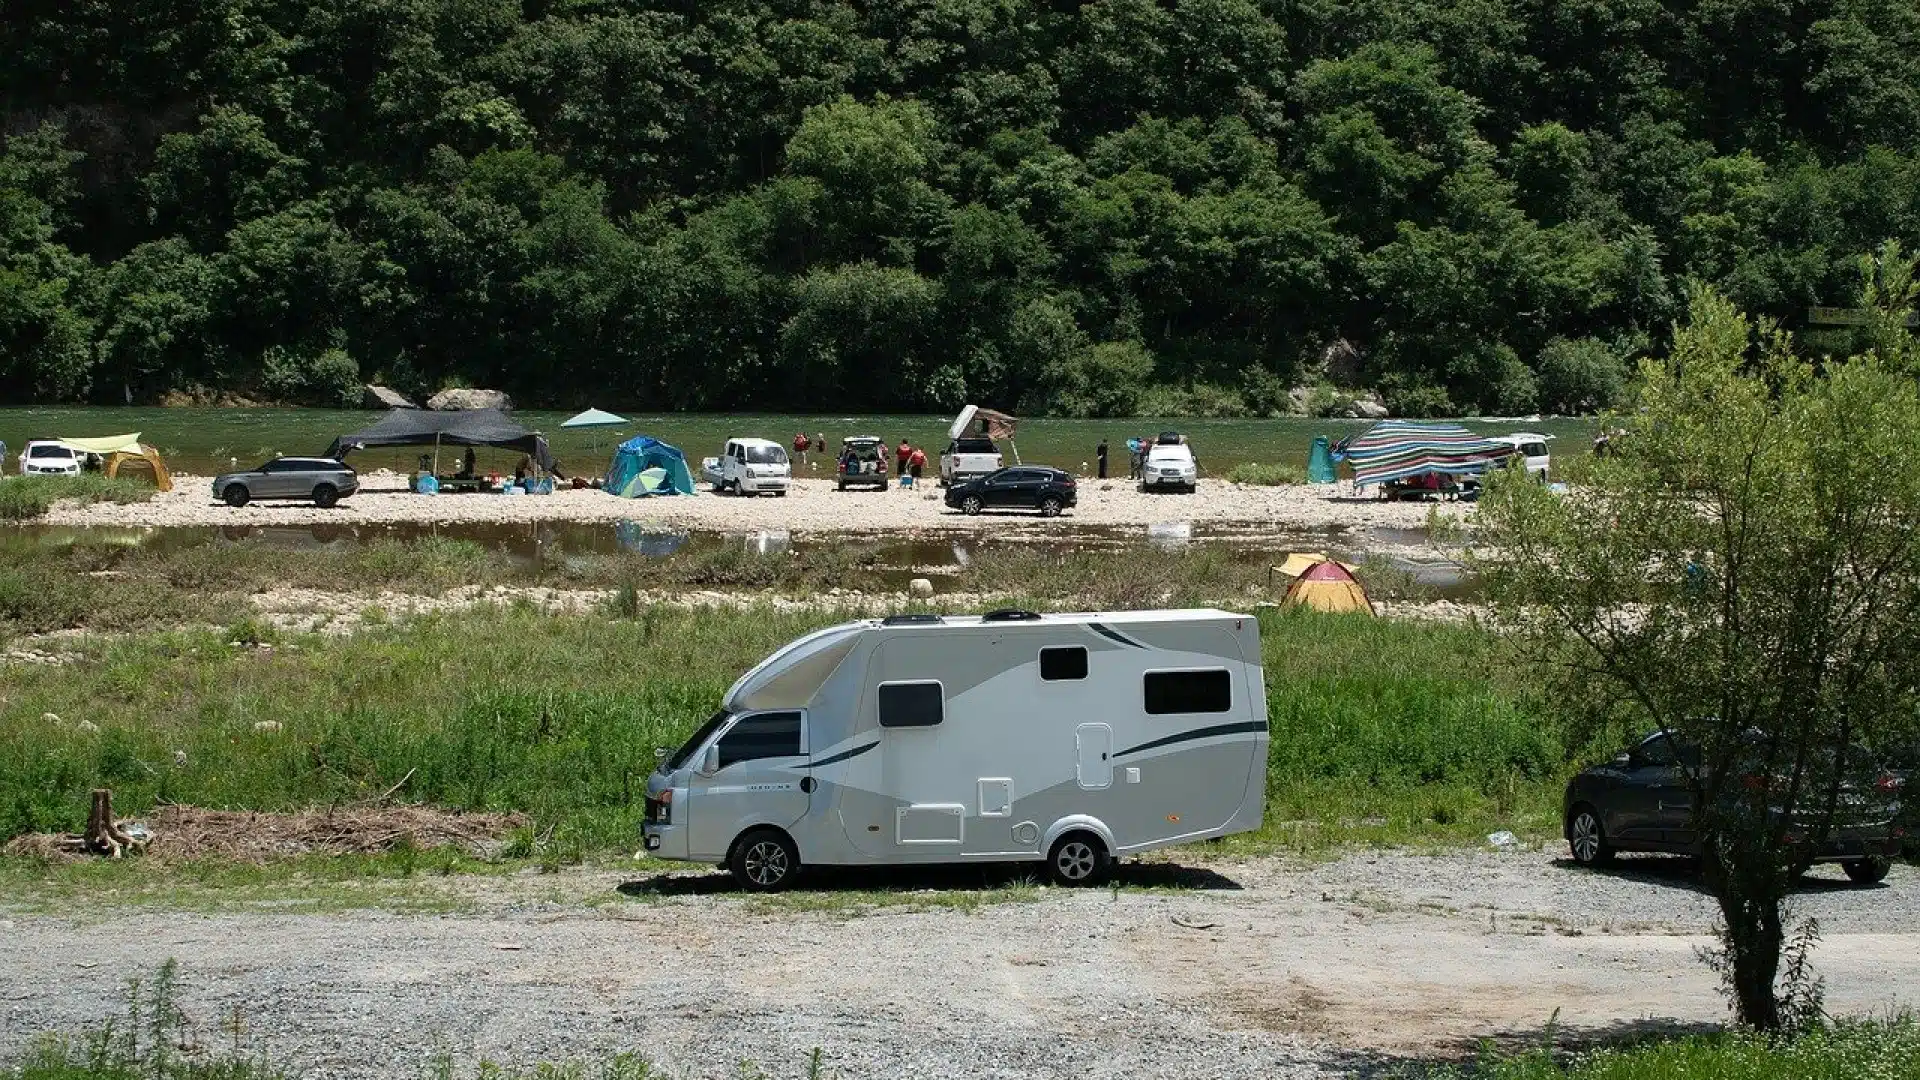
1743, 570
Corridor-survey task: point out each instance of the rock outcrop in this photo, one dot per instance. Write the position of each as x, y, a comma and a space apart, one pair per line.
449, 400
383, 397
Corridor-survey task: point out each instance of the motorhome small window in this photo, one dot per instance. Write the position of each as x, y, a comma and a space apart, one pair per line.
1171, 693
1057, 665
912, 704
768, 735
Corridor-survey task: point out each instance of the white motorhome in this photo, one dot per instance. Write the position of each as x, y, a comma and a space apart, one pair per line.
1068, 739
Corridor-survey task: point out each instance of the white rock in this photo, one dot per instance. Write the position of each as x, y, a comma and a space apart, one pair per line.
448, 400
85, 725
51, 718
920, 587
383, 397
266, 725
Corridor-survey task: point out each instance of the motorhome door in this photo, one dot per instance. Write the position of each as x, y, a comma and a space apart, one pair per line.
763, 779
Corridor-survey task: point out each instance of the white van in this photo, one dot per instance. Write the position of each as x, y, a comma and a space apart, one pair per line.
1068, 739
749, 467
1532, 447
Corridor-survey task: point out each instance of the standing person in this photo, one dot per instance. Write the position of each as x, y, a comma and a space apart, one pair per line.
917, 461
820, 444
1100, 458
3, 455
800, 448
905, 452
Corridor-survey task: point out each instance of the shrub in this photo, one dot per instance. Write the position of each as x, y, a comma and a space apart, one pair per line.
1580, 376
23, 498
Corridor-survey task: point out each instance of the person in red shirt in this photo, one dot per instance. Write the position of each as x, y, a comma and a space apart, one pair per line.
905, 452
917, 461
800, 449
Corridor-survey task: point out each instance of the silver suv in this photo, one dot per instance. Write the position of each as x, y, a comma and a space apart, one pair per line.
323, 480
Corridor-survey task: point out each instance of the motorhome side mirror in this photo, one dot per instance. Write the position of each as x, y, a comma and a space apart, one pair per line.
710, 761
1623, 759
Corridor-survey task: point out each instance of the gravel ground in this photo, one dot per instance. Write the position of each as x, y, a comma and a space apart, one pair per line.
1261, 967
813, 506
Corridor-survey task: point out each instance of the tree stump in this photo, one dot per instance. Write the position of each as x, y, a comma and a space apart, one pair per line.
102, 834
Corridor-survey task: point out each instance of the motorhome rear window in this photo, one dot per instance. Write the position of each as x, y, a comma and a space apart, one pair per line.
768, 735
1171, 693
912, 704
1057, 665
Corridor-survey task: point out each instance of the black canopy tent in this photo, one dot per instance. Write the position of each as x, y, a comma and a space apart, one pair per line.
460, 427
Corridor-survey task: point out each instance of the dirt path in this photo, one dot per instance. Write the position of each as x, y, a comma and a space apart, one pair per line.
1251, 969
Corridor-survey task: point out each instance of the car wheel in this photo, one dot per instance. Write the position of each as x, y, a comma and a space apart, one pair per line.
1588, 838
971, 505
764, 860
325, 495
1868, 871
719, 489
1078, 858
842, 485
1049, 507
235, 496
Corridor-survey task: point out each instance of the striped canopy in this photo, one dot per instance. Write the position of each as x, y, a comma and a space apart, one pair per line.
1398, 449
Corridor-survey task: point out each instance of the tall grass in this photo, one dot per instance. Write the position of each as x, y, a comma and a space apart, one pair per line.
1849, 1051
557, 716
1263, 475
23, 498
144, 1043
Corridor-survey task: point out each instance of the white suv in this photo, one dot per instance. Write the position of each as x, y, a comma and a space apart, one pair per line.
45, 457
750, 467
1170, 465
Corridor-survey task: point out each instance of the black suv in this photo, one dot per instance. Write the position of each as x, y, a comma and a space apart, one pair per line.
1640, 801
1028, 487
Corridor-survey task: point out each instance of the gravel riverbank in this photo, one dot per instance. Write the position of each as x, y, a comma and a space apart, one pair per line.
1253, 968
814, 506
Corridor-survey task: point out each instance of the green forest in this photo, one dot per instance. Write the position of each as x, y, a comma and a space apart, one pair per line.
1069, 208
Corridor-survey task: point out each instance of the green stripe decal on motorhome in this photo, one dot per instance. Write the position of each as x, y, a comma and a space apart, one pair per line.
1111, 634
844, 755
1197, 733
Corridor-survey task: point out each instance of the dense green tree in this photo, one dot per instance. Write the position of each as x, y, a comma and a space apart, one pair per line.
745, 202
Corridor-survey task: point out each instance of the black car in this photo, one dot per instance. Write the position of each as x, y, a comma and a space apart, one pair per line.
1027, 487
1640, 801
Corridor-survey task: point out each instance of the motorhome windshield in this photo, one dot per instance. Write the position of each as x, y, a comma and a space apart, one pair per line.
681, 756
766, 455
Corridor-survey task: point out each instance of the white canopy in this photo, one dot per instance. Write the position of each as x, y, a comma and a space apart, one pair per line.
594, 418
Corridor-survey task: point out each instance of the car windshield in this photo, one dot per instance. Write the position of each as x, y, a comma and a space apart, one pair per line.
49, 452
693, 743
766, 455
1168, 453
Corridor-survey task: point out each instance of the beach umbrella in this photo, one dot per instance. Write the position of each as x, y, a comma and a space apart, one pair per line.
593, 418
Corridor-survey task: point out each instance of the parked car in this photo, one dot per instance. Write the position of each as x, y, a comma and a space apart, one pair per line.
750, 467
1533, 451
1170, 465
1026, 487
323, 480
1641, 801
46, 457
863, 461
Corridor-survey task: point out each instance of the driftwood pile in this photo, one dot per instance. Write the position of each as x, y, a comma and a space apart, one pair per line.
248, 836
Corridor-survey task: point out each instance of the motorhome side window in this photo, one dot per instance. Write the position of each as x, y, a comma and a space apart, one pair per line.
1172, 693
768, 735
911, 704
1060, 664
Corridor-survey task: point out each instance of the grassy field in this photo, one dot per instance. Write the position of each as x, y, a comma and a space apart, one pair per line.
202, 440
1848, 1051
1382, 731
108, 587
23, 498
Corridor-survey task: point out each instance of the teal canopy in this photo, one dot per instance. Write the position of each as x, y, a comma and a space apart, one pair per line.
644, 465
1320, 461
593, 418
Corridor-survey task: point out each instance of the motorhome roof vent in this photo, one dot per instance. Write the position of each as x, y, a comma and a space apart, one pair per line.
1010, 615
918, 619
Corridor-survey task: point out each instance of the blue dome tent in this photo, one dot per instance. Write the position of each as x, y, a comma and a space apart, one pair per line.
643, 465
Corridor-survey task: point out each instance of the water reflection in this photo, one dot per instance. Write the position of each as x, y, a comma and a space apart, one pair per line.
1170, 535
769, 541
648, 540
